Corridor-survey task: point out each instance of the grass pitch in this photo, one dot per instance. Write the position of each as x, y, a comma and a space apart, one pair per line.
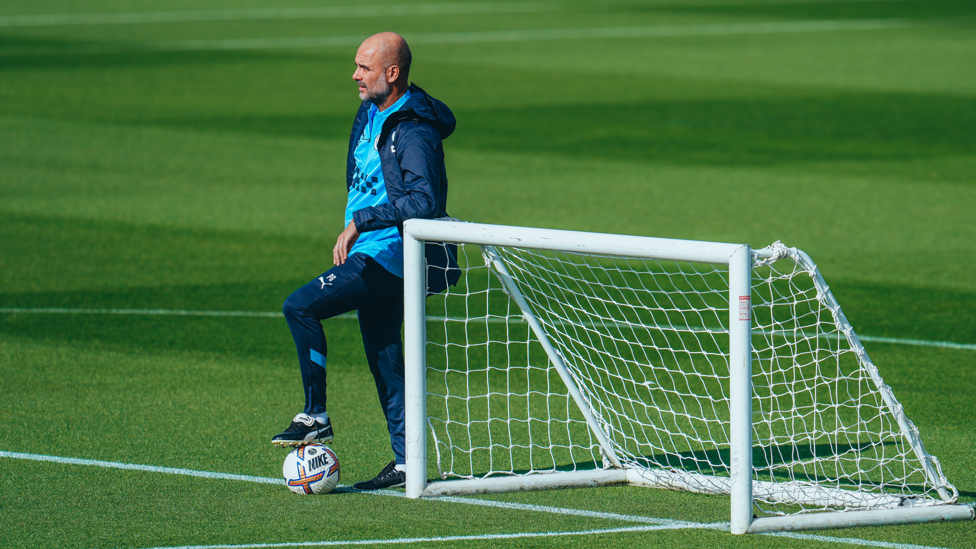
196, 163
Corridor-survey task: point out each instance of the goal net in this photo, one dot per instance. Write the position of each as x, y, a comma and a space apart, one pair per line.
542, 362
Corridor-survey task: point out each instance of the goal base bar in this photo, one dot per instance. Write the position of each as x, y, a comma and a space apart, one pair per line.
551, 481
851, 519
611, 477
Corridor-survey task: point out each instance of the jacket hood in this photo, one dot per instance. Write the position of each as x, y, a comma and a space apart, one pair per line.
422, 107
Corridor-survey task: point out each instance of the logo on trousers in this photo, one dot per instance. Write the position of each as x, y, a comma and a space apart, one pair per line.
329, 278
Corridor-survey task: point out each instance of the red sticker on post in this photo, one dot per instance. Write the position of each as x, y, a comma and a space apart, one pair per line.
745, 307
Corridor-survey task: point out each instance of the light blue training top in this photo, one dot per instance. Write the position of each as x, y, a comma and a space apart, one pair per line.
385, 246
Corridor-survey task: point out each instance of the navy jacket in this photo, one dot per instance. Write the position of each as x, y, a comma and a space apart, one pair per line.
412, 159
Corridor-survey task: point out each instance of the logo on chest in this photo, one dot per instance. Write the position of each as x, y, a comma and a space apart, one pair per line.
376, 141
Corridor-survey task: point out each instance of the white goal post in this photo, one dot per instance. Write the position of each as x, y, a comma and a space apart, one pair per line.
569, 359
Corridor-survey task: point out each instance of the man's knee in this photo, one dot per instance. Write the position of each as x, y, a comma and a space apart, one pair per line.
294, 306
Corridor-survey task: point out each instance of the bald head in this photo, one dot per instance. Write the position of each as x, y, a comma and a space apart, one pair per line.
392, 50
382, 68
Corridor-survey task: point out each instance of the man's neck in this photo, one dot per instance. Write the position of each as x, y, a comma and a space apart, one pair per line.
392, 98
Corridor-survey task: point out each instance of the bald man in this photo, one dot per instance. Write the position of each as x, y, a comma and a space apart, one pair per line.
394, 172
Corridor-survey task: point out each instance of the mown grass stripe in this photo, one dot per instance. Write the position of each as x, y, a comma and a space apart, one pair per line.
659, 524
476, 537
492, 320
393, 493
260, 14
656, 31
620, 530
848, 541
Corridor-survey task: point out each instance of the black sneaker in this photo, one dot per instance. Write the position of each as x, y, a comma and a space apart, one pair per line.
387, 478
304, 429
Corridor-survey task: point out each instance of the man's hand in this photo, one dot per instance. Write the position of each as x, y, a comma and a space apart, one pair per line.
344, 243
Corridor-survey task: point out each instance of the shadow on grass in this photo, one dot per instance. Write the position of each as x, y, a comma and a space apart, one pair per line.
715, 463
727, 125
908, 312
736, 131
63, 262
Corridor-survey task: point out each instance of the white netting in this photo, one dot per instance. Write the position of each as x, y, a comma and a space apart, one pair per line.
646, 343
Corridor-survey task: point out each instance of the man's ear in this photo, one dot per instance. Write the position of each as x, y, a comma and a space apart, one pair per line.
392, 73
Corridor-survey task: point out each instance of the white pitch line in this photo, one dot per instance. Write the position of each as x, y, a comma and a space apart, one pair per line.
262, 14
147, 468
388, 493
479, 37
576, 512
479, 537
491, 320
920, 342
657, 524
151, 312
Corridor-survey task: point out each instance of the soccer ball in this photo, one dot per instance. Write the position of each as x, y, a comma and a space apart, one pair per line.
311, 469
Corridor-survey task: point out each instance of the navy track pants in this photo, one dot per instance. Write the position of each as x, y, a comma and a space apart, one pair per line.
364, 285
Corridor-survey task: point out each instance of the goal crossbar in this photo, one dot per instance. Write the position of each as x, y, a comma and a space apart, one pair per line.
741, 483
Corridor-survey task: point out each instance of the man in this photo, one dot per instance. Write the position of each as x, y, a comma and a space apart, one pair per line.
394, 172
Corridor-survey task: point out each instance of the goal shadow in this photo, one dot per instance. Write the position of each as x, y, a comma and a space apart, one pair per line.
804, 463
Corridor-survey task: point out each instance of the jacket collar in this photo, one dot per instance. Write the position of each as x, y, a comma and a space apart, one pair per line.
421, 107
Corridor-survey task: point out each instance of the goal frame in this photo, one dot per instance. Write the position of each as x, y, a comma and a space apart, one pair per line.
738, 258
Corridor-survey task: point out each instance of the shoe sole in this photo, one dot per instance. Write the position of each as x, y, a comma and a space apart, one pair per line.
296, 443
399, 484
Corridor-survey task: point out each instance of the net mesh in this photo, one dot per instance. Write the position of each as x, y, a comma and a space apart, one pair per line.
646, 344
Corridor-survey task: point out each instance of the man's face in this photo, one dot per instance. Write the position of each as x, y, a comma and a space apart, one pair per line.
370, 75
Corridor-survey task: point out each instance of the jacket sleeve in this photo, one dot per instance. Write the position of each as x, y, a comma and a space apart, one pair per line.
420, 155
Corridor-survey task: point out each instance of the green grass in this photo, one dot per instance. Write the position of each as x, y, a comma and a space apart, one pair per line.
213, 180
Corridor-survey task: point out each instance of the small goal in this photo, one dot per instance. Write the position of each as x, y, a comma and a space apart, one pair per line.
567, 359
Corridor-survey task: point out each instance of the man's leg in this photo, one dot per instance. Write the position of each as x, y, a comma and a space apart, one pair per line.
380, 324
339, 290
